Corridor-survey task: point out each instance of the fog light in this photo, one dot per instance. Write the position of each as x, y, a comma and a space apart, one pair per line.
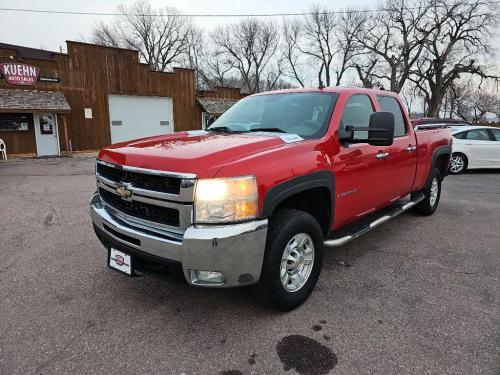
206, 277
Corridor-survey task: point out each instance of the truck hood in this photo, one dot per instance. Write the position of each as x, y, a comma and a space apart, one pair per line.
198, 152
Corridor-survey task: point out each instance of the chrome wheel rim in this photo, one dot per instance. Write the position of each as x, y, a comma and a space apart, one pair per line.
457, 164
434, 191
297, 262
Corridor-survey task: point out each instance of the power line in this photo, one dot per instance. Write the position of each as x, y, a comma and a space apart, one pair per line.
62, 12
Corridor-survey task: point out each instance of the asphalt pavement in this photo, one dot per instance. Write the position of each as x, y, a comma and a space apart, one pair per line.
417, 295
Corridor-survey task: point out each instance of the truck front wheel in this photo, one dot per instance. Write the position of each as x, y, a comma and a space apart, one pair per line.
293, 258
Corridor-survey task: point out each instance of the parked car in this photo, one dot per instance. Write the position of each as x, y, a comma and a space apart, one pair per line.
256, 196
475, 147
440, 121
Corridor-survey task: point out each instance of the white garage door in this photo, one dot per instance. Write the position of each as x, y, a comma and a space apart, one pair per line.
133, 117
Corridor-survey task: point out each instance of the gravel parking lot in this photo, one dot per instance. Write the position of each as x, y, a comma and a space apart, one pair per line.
417, 295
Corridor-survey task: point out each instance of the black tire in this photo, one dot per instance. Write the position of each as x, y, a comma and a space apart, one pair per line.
458, 163
283, 226
429, 205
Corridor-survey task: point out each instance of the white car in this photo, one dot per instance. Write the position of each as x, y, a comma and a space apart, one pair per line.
475, 147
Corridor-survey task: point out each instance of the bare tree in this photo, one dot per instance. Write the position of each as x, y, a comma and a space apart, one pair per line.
292, 32
349, 26
460, 38
366, 67
162, 36
329, 40
319, 33
107, 35
249, 46
409, 94
472, 104
219, 70
396, 35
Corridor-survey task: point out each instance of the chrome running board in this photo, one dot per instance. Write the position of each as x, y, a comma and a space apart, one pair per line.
350, 232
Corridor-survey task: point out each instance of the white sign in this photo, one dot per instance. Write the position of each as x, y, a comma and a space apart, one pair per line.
88, 112
287, 138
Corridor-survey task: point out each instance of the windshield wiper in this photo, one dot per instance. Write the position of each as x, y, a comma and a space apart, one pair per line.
277, 130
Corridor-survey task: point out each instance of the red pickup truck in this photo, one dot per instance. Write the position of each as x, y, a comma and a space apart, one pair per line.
258, 195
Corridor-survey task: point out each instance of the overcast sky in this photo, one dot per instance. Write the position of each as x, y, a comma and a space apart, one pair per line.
50, 31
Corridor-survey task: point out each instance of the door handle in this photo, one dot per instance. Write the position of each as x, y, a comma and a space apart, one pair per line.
382, 155
411, 148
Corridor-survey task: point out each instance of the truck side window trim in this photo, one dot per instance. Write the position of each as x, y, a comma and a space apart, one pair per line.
401, 112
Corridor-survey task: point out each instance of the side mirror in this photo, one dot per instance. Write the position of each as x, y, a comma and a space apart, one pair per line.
380, 131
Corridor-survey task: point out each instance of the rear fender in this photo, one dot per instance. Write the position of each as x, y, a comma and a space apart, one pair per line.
439, 152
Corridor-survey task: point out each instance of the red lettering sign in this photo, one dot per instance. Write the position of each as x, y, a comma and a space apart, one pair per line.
20, 74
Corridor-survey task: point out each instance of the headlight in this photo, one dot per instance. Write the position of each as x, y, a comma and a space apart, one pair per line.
222, 200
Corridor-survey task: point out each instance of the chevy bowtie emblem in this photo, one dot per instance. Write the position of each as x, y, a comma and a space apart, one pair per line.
123, 192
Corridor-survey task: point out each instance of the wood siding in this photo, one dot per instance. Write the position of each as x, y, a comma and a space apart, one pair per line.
88, 74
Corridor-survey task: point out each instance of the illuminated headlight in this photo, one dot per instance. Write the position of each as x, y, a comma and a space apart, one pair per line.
222, 200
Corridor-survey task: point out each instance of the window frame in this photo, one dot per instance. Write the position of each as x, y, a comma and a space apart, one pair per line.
405, 120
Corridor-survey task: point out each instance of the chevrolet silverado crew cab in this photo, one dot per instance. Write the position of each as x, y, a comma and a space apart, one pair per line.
257, 196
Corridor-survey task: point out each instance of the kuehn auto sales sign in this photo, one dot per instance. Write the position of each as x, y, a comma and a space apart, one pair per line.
20, 74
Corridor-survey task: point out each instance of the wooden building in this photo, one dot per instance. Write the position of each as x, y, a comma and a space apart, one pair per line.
90, 97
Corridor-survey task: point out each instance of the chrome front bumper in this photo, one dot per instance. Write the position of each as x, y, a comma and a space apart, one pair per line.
235, 250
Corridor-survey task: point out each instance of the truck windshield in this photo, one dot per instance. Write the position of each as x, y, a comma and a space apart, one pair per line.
306, 114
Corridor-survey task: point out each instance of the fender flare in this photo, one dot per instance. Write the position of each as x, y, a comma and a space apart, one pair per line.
439, 151
286, 189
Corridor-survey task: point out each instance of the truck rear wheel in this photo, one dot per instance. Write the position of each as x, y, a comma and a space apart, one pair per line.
293, 258
432, 193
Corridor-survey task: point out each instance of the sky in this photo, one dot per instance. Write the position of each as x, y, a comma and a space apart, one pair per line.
50, 31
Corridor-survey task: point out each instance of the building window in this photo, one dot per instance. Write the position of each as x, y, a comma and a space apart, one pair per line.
16, 122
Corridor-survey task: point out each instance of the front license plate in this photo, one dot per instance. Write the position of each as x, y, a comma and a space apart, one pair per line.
120, 261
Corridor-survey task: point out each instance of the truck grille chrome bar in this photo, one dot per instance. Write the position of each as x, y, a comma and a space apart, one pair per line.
139, 196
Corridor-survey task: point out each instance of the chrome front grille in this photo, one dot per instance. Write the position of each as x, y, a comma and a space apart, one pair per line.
163, 184
159, 200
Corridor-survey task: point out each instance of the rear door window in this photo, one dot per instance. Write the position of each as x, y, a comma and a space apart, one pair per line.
390, 104
477, 135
